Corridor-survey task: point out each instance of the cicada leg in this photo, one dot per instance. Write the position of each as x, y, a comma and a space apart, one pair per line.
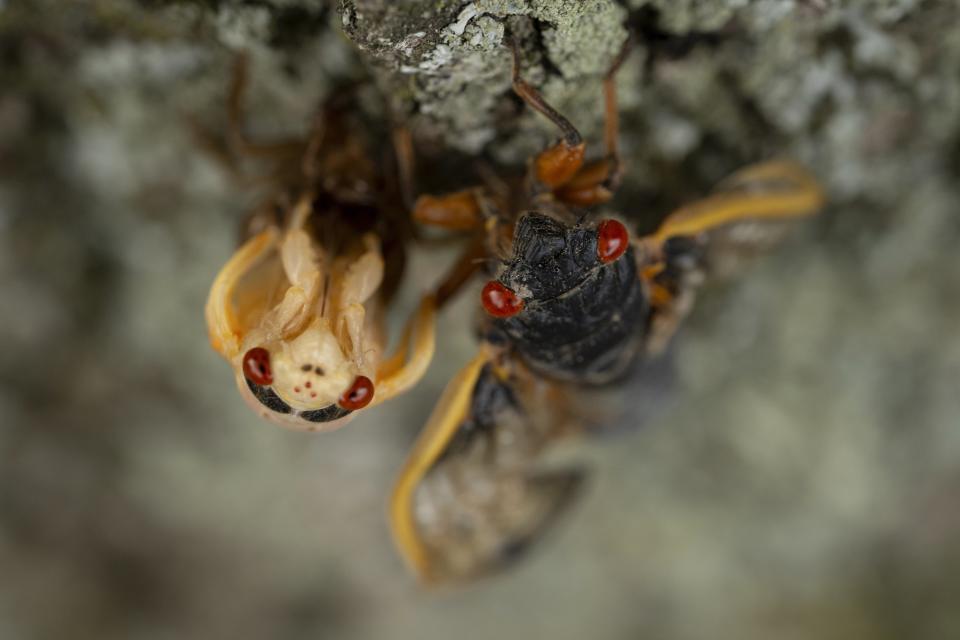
404, 368
592, 185
240, 142
406, 164
228, 150
561, 167
460, 210
596, 182
557, 164
221, 321
410, 361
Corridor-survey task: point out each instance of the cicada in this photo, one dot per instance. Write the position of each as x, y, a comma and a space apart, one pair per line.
573, 301
298, 310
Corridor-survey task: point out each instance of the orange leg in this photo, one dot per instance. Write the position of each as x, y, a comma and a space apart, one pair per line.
596, 182
591, 185
659, 295
458, 211
560, 162
404, 368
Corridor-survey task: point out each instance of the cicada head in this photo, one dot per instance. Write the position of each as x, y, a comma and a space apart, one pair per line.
300, 327
568, 298
306, 383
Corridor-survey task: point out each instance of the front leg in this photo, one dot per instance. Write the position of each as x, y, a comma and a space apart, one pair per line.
409, 363
360, 281
556, 165
222, 325
596, 182
458, 211
301, 260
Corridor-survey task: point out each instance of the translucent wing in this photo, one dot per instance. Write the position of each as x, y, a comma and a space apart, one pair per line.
771, 192
748, 214
470, 497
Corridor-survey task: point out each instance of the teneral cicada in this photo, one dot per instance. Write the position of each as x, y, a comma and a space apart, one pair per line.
298, 310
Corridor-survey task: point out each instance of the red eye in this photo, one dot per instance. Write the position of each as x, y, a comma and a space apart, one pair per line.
499, 301
612, 240
256, 366
359, 395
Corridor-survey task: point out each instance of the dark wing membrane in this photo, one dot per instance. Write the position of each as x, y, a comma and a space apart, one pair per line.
482, 501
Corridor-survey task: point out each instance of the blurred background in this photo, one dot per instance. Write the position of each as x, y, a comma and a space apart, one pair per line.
793, 473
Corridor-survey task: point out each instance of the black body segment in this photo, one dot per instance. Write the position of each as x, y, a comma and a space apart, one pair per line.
269, 398
326, 414
582, 319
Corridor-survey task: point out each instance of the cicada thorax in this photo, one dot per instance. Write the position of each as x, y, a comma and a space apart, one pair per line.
582, 308
339, 224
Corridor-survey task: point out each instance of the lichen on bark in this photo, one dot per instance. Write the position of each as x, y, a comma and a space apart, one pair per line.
449, 68
803, 480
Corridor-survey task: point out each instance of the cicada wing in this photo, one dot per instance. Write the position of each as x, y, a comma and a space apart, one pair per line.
442, 426
771, 192
476, 522
747, 215
470, 497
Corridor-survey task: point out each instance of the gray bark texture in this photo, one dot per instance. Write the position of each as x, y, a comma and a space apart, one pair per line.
793, 471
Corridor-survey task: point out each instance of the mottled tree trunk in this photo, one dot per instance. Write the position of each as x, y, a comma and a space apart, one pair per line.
802, 481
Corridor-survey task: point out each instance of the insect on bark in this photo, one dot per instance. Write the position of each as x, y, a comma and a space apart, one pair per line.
572, 302
298, 309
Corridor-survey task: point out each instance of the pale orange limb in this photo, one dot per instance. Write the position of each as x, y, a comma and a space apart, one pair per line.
659, 295
457, 211
404, 369
222, 324
409, 362
449, 413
